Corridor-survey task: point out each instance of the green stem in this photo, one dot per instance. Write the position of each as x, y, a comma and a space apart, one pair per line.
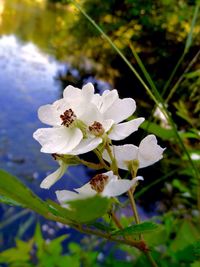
114, 166
151, 260
133, 243
116, 220
101, 159
92, 165
133, 206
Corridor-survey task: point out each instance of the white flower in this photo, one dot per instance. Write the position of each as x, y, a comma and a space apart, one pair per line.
111, 107
146, 154
55, 176
77, 123
80, 119
118, 110
106, 184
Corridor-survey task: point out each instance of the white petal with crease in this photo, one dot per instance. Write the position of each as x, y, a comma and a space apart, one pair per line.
123, 154
118, 187
53, 140
108, 98
149, 151
49, 115
66, 195
123, 130
54, 177
88, 92
71, 92
86, 190
120, 110
85, 146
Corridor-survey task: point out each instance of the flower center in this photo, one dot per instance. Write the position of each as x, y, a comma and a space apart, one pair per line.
96, 128
68, 117
98, 182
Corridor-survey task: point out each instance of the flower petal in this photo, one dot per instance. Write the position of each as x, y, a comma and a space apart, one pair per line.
71, 92
119, 187
86, 190
57, 140
66, 195
108, 98
49, 115
149, 151
90, 114
107, 124
54, 177
88, 92
120, 110
86, 145
123, 154
122, 130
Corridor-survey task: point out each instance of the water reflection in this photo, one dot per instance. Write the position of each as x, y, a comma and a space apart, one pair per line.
27, 80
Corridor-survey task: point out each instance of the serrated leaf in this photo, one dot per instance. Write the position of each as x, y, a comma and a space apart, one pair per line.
136, 229
11, 188
84, 210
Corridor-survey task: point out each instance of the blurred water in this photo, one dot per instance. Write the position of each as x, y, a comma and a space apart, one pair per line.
27, 81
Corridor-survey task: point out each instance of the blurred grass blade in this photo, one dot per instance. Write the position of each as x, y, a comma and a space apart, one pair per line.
187, 46
25, 226
143, 69
13, 218
173, 90
190, 35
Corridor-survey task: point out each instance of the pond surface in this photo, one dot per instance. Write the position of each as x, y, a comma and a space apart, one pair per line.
27, 81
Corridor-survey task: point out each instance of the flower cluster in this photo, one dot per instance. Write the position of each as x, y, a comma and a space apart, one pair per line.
84, 121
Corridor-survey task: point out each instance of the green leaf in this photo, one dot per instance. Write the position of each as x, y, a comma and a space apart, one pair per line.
84, 210
14, 190
103, 227
18, 254
164, 134
187, 234
135, 229
189, 254
193, 74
